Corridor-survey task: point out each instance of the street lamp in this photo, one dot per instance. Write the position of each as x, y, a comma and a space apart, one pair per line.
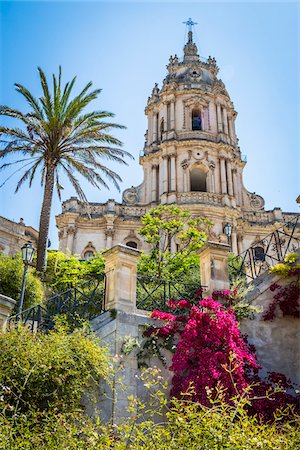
27, 254
228, 232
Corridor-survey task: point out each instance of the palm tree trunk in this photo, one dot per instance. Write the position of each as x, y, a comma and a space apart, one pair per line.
45, 218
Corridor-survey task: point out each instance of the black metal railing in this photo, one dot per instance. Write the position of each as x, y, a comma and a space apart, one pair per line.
155, 293
79, 303
269, 251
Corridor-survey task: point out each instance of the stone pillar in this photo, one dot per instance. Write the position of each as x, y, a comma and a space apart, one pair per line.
7, 304
225, 121
165, 175
214, 267
70, 238
234, 247
154, 129
173, 173
240, 187
121, 275
233, 130
230, 129
150, 133
161, 176
235, 186
212, 180
219, 118
229, 177
154, 186
172, 107
109, 237
223, 176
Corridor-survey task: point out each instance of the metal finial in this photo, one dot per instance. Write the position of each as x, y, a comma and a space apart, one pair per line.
190, 23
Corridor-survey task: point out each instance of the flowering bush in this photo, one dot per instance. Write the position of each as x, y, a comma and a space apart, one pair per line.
211, 340
211, 353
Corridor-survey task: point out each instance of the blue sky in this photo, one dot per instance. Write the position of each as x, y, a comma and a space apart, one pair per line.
124, 47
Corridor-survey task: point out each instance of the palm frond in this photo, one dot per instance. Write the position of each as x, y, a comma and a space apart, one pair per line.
32, 101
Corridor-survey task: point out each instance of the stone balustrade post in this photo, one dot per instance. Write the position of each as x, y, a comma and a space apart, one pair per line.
7, 304
121, 275
214, 267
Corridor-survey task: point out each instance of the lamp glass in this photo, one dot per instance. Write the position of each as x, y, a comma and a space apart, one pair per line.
228, 229
27, 252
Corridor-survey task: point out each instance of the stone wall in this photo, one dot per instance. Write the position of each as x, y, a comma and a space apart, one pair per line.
277, 342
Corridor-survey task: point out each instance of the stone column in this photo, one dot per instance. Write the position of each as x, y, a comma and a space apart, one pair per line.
214, 267
213, 181
7, 304
161, 176
219, 118
229, 177
234, 247
172, 107
121, 275
109, 237
239, 187
173, 173
225, 122
235, 186
154, 129
154, 186
223, 176
230, 129
165, 173
150, 132
70, 238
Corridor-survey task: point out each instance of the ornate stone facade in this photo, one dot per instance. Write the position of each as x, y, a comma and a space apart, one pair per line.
13, 236
191, 158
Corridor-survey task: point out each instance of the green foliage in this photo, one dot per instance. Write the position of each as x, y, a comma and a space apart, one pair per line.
164, 227
11, 276
157, 424
235, 269
289, 265
65, 271
238, 300
187, 425
47, 372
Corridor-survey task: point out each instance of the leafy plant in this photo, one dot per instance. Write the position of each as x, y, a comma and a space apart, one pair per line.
66, 271
11, 276
174, 238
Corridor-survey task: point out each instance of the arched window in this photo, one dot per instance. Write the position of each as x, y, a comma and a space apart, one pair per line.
196, 120
132, 244
259, 254
88, 255
198, 179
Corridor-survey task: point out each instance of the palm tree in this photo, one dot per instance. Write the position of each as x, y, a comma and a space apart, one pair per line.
58, 135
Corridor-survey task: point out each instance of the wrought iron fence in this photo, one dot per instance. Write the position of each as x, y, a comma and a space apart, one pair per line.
154, 293
269, 251
77, 303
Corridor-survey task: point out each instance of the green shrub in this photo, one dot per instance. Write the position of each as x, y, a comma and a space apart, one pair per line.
41, 372
65, 271
11, 276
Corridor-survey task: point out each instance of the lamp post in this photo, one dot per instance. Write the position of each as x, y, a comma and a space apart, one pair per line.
27, 255
228, 232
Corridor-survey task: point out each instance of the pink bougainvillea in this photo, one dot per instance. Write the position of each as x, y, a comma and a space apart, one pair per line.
211, 352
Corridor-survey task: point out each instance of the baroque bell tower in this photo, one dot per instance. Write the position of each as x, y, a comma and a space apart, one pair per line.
191, 158
191, 152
